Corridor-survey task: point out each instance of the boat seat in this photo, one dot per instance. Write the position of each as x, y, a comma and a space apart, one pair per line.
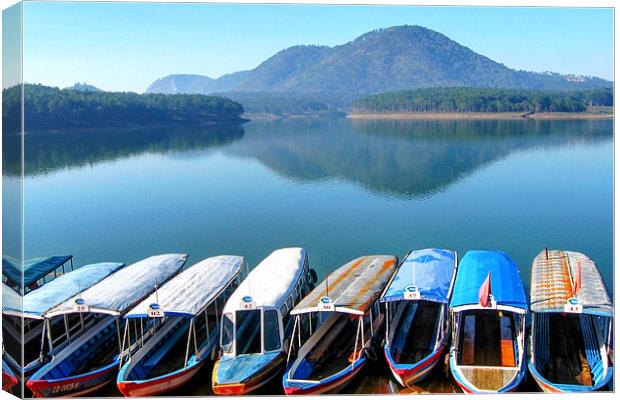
507, 344
469, 340
159, 354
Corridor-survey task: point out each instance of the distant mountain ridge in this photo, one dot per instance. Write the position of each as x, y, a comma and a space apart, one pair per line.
83, 87
390, 59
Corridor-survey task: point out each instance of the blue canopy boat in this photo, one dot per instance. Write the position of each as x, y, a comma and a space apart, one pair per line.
255, 322
336, 326
37, 271
91, 358
184, 315
572, 320
28, 311
488, 309
416, 307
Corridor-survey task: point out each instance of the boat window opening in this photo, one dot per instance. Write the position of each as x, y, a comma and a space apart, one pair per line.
487, 339
200, 334
124, 351
387, 323
334, 349
248, 331
228, 328
135, 330
118, 334
189, 340
372, 322
271, 330
283, 309
141, 333
292, 342
207, 321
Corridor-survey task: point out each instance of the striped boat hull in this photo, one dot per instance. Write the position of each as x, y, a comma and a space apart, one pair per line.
159, 385
413, 373
73, 386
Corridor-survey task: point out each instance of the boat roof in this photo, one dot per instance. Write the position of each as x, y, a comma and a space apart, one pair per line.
11, 301
188, 293
37, 302
506, 284
351, 288
429, 272
34, 268
271, 282
124, 288
553, 279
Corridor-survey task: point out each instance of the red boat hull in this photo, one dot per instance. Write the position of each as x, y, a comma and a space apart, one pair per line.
157, 386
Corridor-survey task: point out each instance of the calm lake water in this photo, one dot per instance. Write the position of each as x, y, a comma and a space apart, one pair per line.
339, 188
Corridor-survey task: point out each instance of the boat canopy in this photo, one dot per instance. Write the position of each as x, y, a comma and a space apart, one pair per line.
37, 302
271, 282
188, 293
555, 280
352, 288
429, 273
34, 268
506, 284
124, 288
11, 301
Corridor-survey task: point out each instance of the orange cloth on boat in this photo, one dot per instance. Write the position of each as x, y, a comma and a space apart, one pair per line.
507, 348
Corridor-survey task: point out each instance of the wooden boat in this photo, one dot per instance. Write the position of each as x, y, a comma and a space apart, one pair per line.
335, 326
488, 310
185, 315
8, 377
416, 307
572, 319
91, 358
256, 320
27, 312
36, 271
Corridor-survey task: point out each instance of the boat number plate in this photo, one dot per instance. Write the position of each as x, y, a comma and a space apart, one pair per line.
154, 311
80, 307
326, 305
411, 293
247, 303
573, 306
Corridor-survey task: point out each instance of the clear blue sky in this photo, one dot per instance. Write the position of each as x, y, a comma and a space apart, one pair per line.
124, 46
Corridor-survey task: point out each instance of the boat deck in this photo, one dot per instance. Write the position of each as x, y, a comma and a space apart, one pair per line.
418, 334
567, 362
488, 378
333, 352
487, 339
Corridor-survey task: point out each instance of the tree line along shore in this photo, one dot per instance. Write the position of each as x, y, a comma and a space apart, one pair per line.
485, 103
52, 108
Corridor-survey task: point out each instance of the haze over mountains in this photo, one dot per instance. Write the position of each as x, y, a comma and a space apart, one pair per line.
396, 58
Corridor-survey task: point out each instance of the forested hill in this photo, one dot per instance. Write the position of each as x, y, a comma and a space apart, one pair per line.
395, 58
51, 108
460, 99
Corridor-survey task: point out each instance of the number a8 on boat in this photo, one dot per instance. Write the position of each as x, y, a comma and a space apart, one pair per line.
335, 326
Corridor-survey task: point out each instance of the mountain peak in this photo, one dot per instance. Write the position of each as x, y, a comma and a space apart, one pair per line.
389, 59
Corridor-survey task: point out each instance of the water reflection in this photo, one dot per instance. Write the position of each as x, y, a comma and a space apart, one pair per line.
404, 159
46, 152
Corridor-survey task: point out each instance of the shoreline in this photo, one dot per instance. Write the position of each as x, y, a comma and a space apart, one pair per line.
456, 115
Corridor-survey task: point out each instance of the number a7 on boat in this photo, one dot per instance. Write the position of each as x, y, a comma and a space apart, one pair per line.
170, 335
416, 307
